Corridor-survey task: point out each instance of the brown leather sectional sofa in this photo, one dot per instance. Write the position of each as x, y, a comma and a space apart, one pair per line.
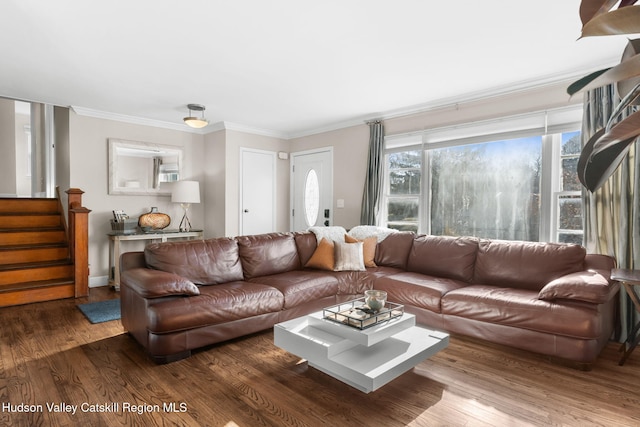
548, 298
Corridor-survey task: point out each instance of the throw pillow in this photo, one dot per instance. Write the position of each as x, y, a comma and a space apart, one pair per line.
323, 257
349, 257
368, 248
589, 286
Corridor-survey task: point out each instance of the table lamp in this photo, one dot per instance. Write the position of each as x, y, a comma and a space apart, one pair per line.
185, 193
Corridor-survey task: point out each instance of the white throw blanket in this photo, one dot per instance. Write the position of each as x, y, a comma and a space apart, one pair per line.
334, 233
360, 232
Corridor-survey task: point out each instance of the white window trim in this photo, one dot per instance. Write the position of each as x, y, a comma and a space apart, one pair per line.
550, 124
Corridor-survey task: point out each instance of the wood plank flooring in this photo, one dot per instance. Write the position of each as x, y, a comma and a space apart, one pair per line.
50, 354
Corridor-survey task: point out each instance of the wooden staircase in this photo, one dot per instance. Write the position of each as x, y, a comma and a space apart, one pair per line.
36, 253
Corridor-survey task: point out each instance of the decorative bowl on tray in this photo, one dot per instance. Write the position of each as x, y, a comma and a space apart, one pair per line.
375, 300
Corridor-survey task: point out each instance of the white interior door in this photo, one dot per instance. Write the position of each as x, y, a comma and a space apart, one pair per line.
258, 191
311, 188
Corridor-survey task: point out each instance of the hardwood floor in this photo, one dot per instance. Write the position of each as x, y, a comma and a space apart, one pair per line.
50, 354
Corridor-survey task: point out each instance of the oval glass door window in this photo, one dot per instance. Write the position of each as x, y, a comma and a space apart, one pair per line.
311, 198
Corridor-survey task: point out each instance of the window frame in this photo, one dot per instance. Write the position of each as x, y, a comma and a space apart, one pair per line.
387, 187
563, 121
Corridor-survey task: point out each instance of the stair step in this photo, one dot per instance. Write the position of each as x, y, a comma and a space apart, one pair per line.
31, 236
30, 220
38, 291
30, 254
17, 204
35, 272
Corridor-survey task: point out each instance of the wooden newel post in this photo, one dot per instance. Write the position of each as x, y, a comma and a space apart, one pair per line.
79, 241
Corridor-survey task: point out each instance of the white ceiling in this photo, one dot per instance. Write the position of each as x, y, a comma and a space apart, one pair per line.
289, 67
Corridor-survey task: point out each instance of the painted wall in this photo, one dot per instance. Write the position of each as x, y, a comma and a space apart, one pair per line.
23, 175
7, 147
215, 184
63, 168
88, 161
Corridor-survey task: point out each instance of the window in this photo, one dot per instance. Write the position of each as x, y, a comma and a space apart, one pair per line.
489, 190
569, 228
311, 198
516, 185
404, 182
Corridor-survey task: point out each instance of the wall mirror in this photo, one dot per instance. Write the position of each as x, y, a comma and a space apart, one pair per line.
137, 168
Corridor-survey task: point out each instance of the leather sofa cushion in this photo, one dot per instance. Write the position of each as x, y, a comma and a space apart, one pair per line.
393, 251
356, 282
266, 254
525, 265
444, 256
306, 243
215, 304
521, 308
417, 290
204, 262
301, 286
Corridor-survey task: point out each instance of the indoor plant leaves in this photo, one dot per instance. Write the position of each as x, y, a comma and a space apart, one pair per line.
604, 151
595, 169
625, 70
590, 8
624, 20
628, 128
579, 85
628, 85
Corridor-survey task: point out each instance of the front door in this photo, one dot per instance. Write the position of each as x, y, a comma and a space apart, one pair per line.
311, 188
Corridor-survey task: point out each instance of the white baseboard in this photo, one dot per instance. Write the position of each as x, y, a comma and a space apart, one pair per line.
97, 281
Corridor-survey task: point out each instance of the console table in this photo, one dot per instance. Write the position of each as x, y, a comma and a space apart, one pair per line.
629, 279
162, 236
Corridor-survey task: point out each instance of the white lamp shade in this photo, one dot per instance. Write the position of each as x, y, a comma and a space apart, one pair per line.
186, 192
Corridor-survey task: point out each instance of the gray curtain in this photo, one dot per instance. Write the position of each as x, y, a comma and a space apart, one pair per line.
374, 180
612, 213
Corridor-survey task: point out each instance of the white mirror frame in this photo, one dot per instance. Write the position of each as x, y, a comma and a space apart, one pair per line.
133, 171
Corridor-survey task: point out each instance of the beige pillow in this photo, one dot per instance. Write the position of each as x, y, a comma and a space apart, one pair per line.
349, 257
368, 249
323, 257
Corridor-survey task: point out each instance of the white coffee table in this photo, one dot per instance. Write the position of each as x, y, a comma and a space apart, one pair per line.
365, 359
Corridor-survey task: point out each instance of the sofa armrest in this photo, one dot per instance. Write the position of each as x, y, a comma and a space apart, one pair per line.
599, 262
150, 283
130, 260
592, 286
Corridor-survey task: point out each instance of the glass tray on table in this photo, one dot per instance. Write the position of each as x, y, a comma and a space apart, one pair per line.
348, 313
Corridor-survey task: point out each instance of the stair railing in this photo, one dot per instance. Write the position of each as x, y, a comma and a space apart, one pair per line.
79, 240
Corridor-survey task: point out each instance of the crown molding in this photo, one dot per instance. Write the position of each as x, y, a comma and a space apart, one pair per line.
88, 112
213, 127
253, 130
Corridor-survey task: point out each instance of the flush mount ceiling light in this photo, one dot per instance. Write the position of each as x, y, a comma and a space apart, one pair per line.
196, 122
